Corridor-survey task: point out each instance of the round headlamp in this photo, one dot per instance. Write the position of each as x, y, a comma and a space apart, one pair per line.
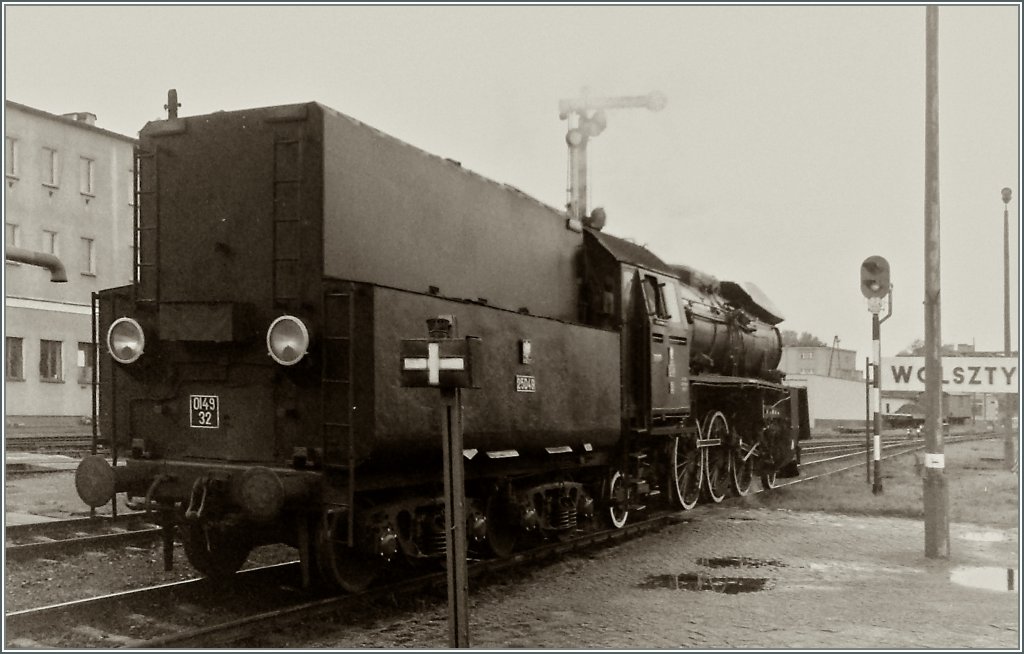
125, 340
287, 340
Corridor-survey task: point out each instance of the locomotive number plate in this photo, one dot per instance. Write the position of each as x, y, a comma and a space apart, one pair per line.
526, 384
204, 411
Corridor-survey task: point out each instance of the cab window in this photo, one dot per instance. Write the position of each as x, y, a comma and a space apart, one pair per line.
657, 300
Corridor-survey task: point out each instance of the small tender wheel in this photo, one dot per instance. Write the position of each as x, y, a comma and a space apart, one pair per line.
216, 553
742, 471
618, 511
340, 565
501, 533
718, 457
687, 473
768, 478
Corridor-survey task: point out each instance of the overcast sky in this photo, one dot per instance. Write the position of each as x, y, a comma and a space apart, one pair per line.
791, 147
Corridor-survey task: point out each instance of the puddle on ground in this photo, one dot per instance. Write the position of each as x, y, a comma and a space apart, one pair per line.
697, 581
986, 536
738, 562
986, 578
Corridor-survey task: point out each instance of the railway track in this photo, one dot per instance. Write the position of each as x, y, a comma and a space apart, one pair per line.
841, 457
68, 537
48, 443
202, 613
172, 615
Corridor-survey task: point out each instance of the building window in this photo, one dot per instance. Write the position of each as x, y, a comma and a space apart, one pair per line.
50, 242
51, 167
86, 361
12, 235
131, 187
86, 170
15, 358
51, 364
807, 355
807, 371
88, 257
11, 156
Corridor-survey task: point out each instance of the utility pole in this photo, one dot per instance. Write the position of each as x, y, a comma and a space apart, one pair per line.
936, 499
832, 354
587, 119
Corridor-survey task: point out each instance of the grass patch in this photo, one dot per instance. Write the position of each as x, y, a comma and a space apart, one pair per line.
981, 491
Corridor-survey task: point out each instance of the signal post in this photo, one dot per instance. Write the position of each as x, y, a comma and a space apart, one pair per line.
875, 286
447, 364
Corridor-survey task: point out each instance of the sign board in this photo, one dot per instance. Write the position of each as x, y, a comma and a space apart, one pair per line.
439, 362
959, 374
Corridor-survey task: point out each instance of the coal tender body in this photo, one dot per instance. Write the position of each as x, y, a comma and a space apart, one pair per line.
249, 383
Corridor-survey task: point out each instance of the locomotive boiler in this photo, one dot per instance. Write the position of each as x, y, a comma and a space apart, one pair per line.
249, 389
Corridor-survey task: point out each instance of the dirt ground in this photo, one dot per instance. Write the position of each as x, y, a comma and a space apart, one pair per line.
828, 582
807, 580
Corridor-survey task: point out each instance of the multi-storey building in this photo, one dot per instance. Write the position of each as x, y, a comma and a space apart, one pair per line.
69, 192
820, 360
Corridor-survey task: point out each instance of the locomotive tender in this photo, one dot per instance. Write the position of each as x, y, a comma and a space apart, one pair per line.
249, 387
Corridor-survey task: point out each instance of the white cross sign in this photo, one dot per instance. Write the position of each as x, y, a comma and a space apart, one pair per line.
434, 363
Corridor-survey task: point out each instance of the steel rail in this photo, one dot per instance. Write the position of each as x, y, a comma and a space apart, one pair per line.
909, 448
76, 545
251, 626
70, 524
24, 619
245, 627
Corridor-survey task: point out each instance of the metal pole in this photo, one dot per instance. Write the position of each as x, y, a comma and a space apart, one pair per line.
867, 418
1006, 272
1009, 438
936, 500
455, 518
578, 179
876, 401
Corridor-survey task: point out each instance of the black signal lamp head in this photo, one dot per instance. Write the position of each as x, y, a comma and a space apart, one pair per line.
874, 277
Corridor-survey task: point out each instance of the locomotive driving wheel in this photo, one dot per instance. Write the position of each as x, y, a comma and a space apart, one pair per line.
742, 464
769, 475
618, 501
342, 566
216, 553
718, 456
687, 473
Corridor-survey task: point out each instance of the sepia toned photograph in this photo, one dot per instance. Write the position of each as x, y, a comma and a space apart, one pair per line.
662, 326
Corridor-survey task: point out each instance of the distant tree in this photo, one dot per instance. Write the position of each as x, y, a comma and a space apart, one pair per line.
916, 349
805, 339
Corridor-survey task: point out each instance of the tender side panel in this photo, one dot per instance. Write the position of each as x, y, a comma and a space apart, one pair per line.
574, 371
397, 216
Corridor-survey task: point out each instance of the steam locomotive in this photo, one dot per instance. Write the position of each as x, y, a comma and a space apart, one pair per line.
249, 385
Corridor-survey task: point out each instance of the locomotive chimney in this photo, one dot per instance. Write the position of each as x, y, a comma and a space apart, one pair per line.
86, 117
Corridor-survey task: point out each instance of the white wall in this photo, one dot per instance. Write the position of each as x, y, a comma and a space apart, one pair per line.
830, 400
